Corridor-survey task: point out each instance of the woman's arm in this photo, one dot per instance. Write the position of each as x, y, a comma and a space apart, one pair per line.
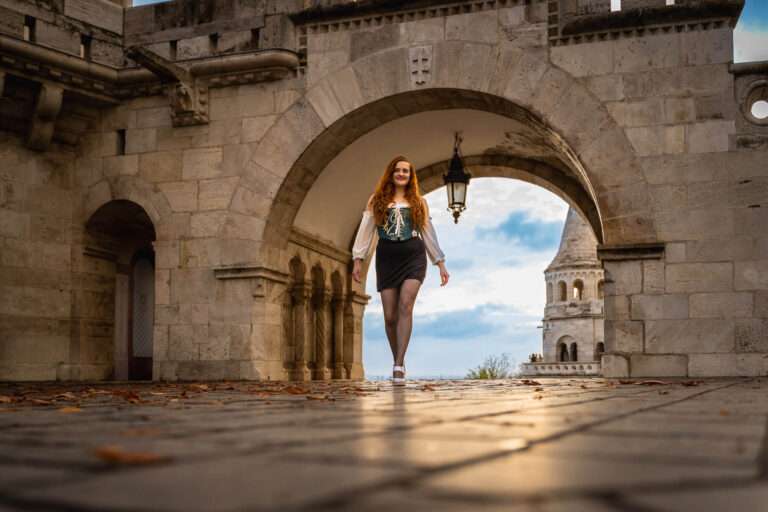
364, 240
429, 234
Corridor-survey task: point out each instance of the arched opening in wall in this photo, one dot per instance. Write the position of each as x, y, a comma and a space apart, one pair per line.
562, 352
599, 350
574, 352
578, 289
116, 301
322, 198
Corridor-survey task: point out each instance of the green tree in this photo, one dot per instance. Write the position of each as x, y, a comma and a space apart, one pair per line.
494, 367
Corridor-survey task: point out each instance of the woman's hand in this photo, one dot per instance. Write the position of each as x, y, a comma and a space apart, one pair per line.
356, 270
444, 275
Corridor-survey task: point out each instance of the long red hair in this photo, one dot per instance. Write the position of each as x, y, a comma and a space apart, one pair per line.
385, 193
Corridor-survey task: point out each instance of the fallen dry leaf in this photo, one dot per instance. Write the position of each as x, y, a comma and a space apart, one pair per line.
663, 392
691, 382
38, 401
295, 390
116, 455
198, 387
427, 387
529, 382
724, 412
318, 397
626, 381
653, 383
6, 399
538, 397
68, 410
539, 389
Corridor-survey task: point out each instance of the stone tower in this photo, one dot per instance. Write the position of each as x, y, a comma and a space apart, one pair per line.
573, 317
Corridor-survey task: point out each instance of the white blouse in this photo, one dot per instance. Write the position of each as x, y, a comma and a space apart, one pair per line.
367, 237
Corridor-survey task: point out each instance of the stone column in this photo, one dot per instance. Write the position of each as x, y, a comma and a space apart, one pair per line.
321, 301
353, 334
337, 307
302, 330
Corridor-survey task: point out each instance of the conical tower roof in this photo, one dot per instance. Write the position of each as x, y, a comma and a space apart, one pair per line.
578, 245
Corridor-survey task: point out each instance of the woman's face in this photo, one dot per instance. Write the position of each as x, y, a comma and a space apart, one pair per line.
402, 173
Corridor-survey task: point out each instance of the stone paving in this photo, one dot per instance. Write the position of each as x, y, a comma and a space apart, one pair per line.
512, 445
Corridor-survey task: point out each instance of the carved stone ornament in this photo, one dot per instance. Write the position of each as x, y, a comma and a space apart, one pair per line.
420, 65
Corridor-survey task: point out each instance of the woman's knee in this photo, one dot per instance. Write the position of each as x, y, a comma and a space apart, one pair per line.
405, 308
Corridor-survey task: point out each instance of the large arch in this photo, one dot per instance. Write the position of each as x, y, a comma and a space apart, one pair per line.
586, 146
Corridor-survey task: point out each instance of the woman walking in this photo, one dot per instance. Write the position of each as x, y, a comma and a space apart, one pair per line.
398, 216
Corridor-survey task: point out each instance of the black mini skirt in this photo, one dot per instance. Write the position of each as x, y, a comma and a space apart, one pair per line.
398, 261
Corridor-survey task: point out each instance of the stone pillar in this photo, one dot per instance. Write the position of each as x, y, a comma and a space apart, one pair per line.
337, 307
353, 334
302, 330
321, 315
631, 276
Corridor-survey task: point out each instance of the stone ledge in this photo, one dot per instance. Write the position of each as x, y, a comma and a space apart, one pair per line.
250, 272
652, 251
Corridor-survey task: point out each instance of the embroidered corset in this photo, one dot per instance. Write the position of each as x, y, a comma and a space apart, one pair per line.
398, 225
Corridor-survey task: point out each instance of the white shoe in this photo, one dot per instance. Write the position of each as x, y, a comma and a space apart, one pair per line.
398, 381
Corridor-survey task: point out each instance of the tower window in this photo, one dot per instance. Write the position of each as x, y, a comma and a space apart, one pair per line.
578, 290
29, 28
85, 47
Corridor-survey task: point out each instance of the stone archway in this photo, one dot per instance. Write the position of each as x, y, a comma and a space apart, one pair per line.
559, 136
117, 298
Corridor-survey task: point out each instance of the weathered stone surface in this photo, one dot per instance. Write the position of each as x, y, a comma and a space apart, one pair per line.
160, 166
689, 336
627, 276
182, 195
752, 335
623, 336
659, 307
201, 163
615, 366
751, 275
216, 194
699, 277
721, 305
643, 365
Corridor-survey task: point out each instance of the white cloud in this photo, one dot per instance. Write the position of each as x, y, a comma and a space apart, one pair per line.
516, 291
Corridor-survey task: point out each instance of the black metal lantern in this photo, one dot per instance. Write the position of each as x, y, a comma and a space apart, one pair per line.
456, 182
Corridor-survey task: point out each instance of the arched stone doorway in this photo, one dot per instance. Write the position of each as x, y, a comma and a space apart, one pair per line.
119, 238
317, 209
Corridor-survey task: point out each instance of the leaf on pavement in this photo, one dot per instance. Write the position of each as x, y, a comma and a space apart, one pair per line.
116, 455
653, 383
6, 399
69, 410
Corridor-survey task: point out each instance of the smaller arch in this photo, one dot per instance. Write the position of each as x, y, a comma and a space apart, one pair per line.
549, 293
562, 352
297, 269
578, 289
562, 291
599, 350
601, 289
574, 352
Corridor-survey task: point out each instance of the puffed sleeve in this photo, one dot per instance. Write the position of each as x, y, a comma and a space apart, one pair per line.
365, 237
430, 242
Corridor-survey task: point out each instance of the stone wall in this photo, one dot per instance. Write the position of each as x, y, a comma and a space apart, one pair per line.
37, 287
640, 130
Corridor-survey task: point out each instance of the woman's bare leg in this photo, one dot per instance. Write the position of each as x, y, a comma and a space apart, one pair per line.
389, 299
408, 291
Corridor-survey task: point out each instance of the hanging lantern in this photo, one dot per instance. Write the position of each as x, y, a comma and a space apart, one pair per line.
456, 182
